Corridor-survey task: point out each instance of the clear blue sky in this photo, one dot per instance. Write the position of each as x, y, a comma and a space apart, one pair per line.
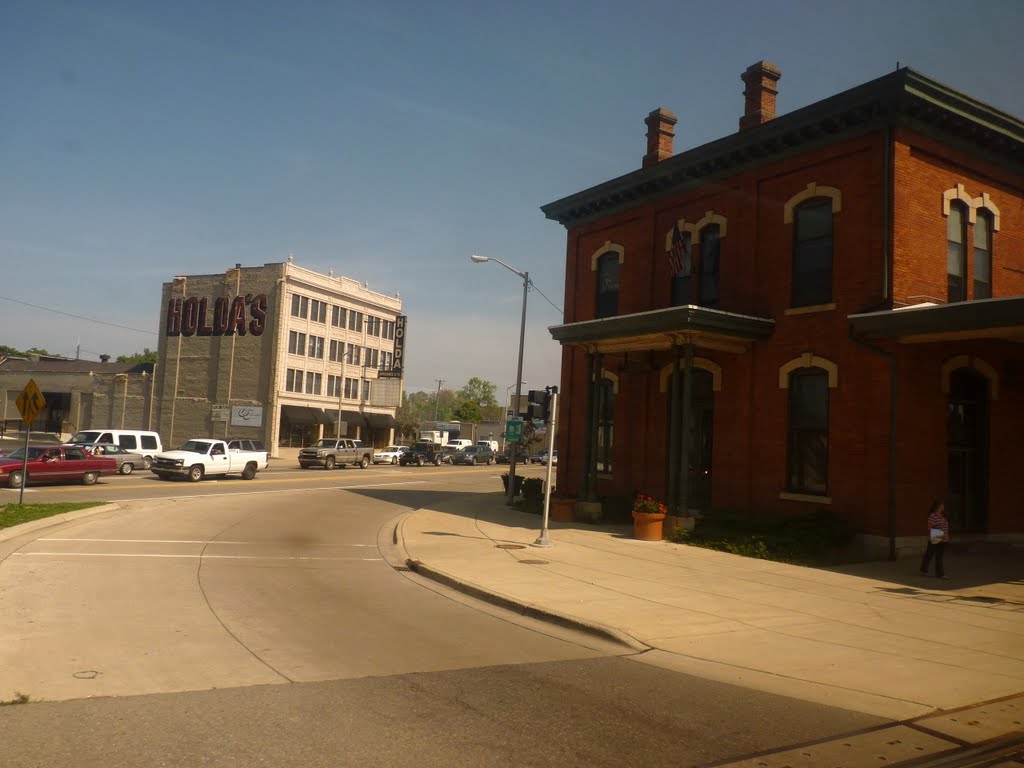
389, 141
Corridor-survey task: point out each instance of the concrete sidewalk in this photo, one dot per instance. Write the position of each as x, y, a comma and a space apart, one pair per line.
876, 637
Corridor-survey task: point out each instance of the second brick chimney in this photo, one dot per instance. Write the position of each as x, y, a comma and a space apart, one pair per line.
660, 132
761, 82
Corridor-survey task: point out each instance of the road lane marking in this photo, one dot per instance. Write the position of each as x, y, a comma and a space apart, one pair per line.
134, 481
196, 557
183, 541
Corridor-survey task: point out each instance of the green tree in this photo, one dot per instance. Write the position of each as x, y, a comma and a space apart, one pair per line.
468, 411
478, 391
408, 421
145, 356
6, 351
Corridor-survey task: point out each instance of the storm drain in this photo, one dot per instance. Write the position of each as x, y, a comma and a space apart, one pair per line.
533, 562
510, 546
405, 568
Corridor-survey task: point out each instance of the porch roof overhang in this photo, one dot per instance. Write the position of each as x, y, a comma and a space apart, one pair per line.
662, 329
1001, 319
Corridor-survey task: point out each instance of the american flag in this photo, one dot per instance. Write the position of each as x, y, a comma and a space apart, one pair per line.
677, 254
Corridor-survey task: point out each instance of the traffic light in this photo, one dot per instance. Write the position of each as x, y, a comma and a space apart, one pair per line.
540, 404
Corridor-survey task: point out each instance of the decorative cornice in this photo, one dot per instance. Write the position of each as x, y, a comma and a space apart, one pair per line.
902, 98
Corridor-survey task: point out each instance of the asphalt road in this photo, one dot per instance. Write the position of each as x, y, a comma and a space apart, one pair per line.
265, 623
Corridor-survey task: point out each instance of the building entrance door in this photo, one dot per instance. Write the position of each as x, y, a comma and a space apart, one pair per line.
967, 451
702, 420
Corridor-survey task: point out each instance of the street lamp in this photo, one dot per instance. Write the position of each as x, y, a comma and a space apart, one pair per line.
519, 368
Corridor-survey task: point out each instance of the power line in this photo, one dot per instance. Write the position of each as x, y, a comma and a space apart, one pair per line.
77, 317
549, 301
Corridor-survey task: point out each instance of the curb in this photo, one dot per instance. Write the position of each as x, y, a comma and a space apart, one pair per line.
525, 609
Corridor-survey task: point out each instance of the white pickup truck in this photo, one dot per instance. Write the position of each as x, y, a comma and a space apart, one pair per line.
202, 456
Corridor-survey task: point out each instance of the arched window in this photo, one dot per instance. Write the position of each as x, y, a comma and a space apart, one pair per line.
982, 255
607, 304
807, 454
710, 247
605, 424
812, 253
682, 282
956, 253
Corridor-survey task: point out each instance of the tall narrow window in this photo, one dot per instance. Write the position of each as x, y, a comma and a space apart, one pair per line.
605, 424
807, 460
300, 305
607, 285
682, 282
812, 253
982, 256
956, 253
710, 245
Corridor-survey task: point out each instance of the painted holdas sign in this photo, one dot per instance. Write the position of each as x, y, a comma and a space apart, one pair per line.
398, 366
222, 316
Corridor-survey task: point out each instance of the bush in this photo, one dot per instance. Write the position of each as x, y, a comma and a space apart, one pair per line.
533, 495
533, 488
816, 539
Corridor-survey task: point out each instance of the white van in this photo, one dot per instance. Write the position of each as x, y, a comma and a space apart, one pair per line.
460, 444
138, 441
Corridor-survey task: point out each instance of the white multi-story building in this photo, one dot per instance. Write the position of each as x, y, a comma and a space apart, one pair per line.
280, 353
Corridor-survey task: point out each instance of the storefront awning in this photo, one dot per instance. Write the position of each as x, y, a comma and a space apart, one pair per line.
302, 414
662, 329
380, 420
980, 319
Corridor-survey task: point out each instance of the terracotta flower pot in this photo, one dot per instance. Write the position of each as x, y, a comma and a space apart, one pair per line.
647, 526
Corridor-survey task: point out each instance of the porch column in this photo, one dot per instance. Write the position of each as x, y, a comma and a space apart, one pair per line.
687, 430
589, 433
673, 433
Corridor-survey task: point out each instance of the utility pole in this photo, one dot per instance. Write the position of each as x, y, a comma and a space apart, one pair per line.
437, 398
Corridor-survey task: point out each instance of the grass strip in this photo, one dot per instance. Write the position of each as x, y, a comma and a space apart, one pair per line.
16, 514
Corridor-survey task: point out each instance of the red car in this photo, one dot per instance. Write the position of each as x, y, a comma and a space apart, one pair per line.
54, 463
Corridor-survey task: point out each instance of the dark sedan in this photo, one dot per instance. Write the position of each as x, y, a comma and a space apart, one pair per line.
473, 455
54, 463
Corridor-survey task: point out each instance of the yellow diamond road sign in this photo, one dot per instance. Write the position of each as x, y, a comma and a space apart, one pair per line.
30, 402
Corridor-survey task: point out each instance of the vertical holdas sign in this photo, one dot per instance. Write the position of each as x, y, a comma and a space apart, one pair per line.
398, 366
240, 315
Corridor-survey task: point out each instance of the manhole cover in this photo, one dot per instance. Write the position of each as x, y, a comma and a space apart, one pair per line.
534, 562
510, 546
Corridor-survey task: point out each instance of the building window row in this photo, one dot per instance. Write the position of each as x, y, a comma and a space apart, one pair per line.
309, 346
315, 311
694, 254
808, 379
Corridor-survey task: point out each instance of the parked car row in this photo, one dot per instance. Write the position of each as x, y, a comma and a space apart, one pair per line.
199, 457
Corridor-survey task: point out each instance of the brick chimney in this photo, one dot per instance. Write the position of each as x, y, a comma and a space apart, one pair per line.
761, 80
660, 132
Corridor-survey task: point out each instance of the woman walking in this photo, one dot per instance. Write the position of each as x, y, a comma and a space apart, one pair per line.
938, 535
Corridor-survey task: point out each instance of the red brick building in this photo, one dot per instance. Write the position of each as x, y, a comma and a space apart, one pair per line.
822, 310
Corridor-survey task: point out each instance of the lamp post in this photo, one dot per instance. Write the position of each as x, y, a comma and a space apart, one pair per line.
519, 367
